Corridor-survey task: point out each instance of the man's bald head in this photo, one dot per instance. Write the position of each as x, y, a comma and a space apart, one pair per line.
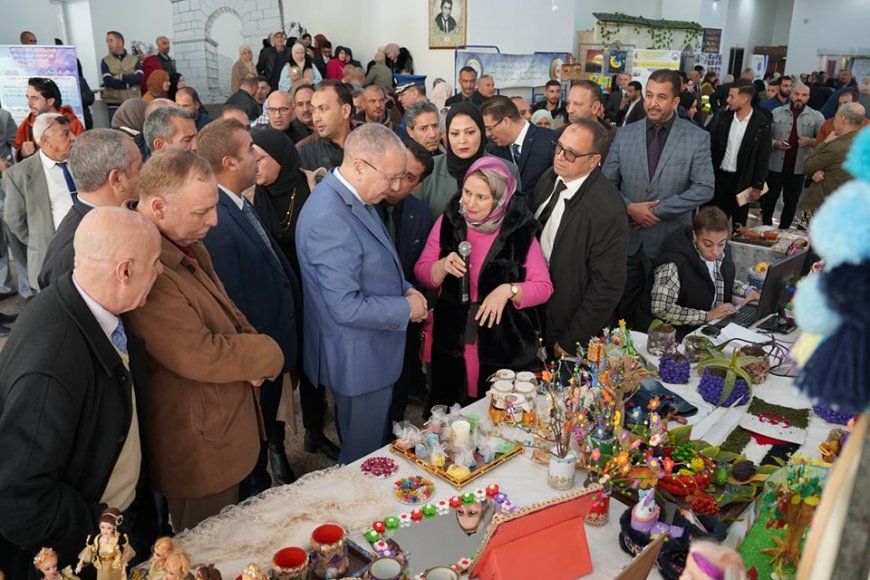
158, 104
117, 255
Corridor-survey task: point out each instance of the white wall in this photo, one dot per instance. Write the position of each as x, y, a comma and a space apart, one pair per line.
830, 28
34, 15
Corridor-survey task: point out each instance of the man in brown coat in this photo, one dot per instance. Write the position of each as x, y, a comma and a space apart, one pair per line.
205, 358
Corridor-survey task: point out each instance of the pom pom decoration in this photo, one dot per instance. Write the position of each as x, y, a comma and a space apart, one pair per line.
811, 308
858, 160
840, 229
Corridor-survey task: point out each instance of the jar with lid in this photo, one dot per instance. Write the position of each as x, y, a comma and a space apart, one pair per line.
529, 393
497, 394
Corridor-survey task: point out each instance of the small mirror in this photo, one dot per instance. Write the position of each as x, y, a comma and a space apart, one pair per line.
445, 539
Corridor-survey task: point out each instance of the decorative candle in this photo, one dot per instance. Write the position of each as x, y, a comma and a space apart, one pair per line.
461, 433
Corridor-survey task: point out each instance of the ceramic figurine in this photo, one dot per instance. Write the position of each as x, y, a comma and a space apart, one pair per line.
253, 572
645, 517
46, 562
162, 548
106, 553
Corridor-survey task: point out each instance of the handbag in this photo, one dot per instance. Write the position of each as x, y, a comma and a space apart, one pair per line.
426, 338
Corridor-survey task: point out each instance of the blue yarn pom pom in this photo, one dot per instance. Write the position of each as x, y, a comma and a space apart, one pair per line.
858, 160
811, 308
840, 230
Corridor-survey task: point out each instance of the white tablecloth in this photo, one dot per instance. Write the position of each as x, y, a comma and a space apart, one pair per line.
525, 482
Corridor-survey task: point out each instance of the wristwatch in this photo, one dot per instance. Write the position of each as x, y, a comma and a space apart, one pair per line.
514, 291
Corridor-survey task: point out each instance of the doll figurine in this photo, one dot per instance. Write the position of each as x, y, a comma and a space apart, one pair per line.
645, 517
253, 572
176, 566
106, 553
709, 561
46, 562
162, 548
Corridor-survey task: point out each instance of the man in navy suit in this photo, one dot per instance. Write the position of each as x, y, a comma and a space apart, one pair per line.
663, 168
408, 220
254, 272
515, 139
357, 301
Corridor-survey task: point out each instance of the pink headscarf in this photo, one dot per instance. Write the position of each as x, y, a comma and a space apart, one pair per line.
493, 221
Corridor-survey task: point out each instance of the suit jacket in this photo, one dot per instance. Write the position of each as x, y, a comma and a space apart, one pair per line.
205, 420
754, 152
611, 107
60, 255
266, 291
28, 211
809, 124
242, 99
587, 264
535, 158
828, 157
355, 313
635, 114
683, 179
66, 403
414, 230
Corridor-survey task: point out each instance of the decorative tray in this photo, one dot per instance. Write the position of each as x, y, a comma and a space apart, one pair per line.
457, 482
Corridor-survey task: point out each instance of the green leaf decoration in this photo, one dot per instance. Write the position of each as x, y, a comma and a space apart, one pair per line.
681, 435
726, 456
711, 452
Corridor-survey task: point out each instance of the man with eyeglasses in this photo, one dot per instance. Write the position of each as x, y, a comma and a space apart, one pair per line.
357, 301
584, 237
517, 140
279, 108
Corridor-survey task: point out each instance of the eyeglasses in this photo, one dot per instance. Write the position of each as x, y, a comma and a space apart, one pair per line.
394, 179
278, 110
494, 125
570, 156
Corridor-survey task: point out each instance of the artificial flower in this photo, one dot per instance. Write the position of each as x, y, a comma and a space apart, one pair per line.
655, 440
617, 419
546, 376
654, 420
654, 463
636, 414
654, 403
622, 458
596, 454
668, 464
636, 443
697, 465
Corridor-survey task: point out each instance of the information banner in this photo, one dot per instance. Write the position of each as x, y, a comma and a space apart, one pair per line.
514, 70
20, 62
645, 62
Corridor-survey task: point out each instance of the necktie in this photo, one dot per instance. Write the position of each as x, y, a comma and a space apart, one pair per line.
515, 151
258, 227
374, 213
654, 150
390, 220
119, 337
551, 204
71, 185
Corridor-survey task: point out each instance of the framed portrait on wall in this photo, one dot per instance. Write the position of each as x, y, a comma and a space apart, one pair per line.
447, 23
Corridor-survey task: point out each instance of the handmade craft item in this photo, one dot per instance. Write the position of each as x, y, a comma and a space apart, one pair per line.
290, 564
413, 490
379, 467
329, 551
176, 566
45, 563
108, 553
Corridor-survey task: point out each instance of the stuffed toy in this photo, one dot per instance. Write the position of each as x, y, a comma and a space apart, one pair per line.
835, 304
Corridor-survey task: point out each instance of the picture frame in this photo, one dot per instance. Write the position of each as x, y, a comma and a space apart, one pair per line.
448, 23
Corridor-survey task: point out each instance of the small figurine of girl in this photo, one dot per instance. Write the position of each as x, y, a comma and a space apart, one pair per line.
176, 566
162, 548
253, 572
106, 554
46, 562
709, 561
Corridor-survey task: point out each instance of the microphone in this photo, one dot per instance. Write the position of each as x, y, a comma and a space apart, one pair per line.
465, 251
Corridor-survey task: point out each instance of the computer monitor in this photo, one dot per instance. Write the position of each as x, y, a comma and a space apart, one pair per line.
780, 283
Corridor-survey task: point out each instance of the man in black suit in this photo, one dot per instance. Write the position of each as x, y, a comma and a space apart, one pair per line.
106, 165
244, 97
255, 273
634, 111
444, 21
515, 139
740, 146
408, 220
73, 400
584, 237
324, 55
618, 99
467, 92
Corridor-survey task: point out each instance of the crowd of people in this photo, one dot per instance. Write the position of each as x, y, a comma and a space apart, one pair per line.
328, 230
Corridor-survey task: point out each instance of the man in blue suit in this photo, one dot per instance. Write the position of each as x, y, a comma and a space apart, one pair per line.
254, 272
408, 220
515, 139
357, 301
663, 169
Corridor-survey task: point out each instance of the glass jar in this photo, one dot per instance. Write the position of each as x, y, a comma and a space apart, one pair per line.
500, 389
529, 393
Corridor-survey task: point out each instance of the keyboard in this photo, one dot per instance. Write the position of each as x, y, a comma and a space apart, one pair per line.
745, 317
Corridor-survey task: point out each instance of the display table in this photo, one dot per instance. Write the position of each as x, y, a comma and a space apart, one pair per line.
523, 480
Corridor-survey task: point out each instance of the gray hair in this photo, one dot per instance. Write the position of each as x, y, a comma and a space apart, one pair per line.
380, 57
95, 154
797, 85
600, 138
372, 140
853, 113
42, 123
158, 125
418, 109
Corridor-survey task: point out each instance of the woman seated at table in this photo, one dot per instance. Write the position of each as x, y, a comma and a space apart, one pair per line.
507, 276
693, 281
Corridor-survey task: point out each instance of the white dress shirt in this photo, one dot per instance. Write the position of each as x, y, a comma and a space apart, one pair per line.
347, 184
58, 192
631, 105
735, 138
548, 235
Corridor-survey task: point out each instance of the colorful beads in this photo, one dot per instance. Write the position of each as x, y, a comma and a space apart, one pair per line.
415, 489
381, 467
